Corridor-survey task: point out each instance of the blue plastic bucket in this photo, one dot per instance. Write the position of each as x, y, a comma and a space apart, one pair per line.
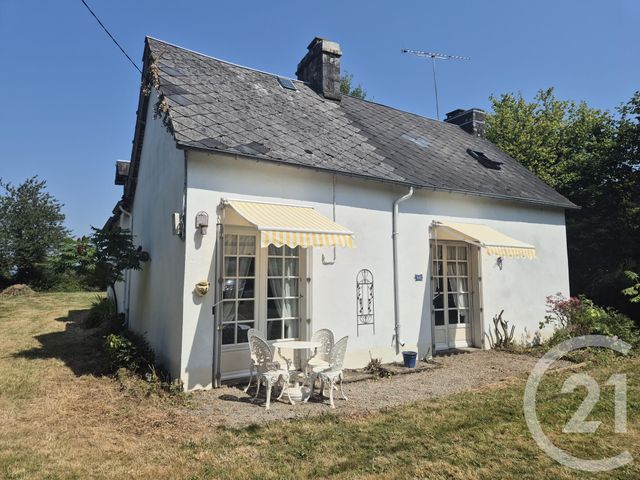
410, 359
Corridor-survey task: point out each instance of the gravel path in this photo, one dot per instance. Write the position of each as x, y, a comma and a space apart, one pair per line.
459, 372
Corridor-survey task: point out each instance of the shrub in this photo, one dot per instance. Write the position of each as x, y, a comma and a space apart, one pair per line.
130, 351
132, 360
103, 312
578, 316
376, 368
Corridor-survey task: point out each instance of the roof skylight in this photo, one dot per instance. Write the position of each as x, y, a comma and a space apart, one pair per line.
286, 83
484, 160
420, 141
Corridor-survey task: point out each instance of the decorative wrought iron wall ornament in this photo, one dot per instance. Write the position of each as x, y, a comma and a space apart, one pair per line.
364, 300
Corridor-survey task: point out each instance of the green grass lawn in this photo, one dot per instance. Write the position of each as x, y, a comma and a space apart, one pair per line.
61, 417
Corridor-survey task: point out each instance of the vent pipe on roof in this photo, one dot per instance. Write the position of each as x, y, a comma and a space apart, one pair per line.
471, 121
320, 68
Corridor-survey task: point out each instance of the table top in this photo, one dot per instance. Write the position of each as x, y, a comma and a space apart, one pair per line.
296, 344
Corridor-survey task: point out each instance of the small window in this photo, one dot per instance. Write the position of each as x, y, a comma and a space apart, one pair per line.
484, 160
286, 83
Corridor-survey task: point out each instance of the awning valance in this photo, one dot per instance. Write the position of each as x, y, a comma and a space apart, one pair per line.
292, 225
494, 242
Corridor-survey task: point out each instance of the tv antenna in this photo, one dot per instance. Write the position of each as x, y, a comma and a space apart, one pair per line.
434, 56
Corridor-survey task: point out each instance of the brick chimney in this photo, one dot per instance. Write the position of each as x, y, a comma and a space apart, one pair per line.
471, 121
320, 67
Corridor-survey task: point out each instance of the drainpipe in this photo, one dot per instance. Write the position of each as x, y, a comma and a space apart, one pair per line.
217, 308
396, 292
324, 260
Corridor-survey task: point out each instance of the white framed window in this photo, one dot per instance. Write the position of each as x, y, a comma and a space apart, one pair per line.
283, 292
239, 287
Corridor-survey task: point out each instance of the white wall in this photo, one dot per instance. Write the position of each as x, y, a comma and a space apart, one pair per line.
155, 308
365, 207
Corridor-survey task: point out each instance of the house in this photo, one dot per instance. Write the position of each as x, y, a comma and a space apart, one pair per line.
282, 205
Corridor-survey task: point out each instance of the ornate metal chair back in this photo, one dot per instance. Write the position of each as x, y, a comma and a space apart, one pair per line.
323, 336
261, 351
337, 353
252, 332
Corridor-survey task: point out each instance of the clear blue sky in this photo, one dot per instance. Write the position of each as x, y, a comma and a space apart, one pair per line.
69, 96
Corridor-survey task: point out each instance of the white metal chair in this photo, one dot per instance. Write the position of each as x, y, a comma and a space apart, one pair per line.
332, 373
325, 337
252, 365
267, 371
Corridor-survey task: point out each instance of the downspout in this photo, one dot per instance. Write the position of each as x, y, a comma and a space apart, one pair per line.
396, 288
324, 261
217, 294
434, 226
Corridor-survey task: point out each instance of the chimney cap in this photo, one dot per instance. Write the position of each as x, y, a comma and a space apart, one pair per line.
327, 46
471, 120
460, 111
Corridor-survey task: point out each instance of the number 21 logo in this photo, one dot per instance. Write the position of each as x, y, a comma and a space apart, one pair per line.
578, 422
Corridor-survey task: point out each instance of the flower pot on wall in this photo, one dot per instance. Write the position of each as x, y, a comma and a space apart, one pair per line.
202, 288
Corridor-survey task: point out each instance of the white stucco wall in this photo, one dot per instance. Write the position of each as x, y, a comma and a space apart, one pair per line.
155, 302
365, 207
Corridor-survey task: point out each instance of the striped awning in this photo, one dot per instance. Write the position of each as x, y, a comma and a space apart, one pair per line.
494, 242
292, 225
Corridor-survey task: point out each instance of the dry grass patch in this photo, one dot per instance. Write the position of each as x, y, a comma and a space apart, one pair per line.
62, 417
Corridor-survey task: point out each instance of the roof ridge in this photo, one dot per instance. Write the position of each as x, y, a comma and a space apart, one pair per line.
402, 111
223, 61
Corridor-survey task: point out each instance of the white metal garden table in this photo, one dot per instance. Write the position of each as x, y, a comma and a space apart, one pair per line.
294, 388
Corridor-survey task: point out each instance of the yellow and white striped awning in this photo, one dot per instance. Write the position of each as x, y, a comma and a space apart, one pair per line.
292, 225
494, 242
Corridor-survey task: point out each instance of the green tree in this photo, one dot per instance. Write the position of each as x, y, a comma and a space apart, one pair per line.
346, 87
593, 159
71, 267
553, 138
633, 291
114, 253
31, 228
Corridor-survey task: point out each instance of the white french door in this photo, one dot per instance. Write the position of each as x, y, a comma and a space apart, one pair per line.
261, 289
450, 288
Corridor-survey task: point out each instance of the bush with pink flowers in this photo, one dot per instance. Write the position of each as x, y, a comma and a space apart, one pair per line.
576, 316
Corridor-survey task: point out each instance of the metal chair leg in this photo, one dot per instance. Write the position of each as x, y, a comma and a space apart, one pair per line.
331, 394
289, 397
312, 384
342, 391
246, 389
257, 389
269, 386
284, 386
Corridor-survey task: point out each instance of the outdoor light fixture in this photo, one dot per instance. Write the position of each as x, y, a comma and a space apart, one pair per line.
143, 256
499, 262
176, 223
202, 222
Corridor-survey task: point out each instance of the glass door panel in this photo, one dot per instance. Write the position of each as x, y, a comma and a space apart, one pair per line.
450, 292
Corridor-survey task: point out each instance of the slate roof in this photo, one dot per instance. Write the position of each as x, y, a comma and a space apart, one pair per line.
218, 106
